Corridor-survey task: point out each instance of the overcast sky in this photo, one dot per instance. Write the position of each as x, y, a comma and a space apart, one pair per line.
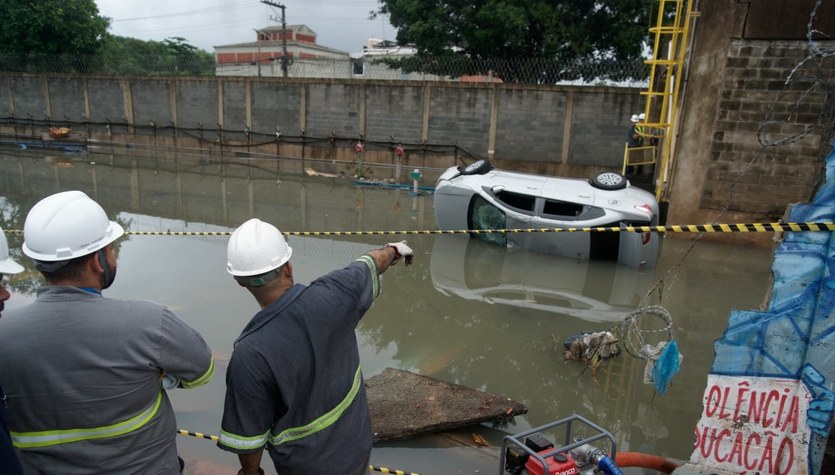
340, 24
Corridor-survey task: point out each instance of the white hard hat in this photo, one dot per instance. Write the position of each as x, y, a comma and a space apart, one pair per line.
67, 225
255, 248
634, 118
642, 116
7, 265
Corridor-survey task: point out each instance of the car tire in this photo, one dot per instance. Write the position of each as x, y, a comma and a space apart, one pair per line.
479, 167
609, 181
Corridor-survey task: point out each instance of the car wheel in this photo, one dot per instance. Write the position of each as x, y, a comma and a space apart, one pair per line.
608, 181
479, 167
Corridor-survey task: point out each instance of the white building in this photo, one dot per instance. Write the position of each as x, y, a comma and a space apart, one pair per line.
263, 57
306, 59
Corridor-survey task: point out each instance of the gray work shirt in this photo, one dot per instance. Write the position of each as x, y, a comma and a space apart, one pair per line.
294, 384
82, 378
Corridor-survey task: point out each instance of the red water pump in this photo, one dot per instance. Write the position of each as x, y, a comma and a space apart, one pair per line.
559, 464
531, 453
541, 460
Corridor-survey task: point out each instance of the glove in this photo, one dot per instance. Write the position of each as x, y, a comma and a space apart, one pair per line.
401, 250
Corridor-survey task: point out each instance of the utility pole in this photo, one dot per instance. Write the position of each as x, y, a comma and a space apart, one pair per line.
284, 58
258, 56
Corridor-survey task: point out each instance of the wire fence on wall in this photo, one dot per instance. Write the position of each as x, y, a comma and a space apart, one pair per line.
606, 72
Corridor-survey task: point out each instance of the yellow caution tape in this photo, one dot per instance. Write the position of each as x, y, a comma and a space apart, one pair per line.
215, 438
676, 228
388, 470
198, 434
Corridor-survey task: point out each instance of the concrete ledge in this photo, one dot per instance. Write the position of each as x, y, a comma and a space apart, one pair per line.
405, 405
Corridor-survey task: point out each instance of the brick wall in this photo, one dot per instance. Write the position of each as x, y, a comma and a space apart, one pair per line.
758, 129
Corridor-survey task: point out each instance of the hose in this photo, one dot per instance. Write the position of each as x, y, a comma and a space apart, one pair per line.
608, 466
641, 460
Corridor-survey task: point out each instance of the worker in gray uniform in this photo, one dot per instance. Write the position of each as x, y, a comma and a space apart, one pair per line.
86, 376
9, 464
293, 384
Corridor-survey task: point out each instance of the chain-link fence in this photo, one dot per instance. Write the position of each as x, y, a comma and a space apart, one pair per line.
107, 65
606, 72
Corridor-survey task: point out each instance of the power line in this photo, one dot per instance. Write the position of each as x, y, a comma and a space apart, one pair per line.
200, 11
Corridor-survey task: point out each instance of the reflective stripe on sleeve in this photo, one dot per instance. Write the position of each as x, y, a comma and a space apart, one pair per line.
375, 277
202, 379
324, 421
239, 442
25, 440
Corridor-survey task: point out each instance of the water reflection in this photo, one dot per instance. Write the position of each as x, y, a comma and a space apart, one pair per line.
466, 312
596, 291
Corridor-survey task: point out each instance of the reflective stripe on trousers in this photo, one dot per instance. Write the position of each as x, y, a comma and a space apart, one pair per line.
25, 440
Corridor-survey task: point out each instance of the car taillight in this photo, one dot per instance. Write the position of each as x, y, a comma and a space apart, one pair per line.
646, 208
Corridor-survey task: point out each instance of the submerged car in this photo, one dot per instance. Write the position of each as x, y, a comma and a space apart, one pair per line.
480, 197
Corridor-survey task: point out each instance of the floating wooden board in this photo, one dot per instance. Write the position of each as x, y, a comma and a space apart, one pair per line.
406, 405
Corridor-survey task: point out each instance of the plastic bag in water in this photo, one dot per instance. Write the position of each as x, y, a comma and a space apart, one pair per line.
667, 366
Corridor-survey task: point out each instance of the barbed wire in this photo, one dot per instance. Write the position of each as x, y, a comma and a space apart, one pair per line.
805, 84
813, 89
820, 82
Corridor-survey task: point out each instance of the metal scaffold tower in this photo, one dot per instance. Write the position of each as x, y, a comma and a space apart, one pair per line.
670, 35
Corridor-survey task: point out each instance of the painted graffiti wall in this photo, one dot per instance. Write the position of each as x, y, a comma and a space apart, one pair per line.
768, 403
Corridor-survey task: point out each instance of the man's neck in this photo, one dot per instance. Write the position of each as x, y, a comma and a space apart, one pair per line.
267, 295
80, 283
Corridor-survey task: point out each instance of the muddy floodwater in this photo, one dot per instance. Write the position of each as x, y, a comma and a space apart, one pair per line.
466, 312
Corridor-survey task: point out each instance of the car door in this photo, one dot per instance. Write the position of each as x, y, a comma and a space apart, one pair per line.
553, 213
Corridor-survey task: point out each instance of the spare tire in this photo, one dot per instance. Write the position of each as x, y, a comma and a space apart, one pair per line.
609, 181
478, 167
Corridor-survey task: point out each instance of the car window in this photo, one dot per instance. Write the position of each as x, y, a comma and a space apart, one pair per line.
484, 215
518, 201
562, 208
567, 211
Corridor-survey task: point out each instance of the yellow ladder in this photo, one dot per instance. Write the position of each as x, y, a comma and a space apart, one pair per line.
666, 70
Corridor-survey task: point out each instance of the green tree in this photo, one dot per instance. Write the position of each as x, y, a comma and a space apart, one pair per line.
172, 56
524, 40
190, 59
51, 27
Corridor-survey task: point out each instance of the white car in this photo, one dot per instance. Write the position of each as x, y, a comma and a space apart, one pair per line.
480, 198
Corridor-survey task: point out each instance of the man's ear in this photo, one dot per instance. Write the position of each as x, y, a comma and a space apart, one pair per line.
93, 263
288, 270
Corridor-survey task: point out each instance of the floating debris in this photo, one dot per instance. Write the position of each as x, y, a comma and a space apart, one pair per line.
591, 348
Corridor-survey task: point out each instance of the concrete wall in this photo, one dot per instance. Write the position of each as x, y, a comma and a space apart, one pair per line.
548, 129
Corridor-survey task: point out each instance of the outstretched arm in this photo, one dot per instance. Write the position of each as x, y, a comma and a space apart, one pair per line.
391, 255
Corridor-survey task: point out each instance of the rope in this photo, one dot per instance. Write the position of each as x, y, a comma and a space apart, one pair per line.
201, 435
683, 228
